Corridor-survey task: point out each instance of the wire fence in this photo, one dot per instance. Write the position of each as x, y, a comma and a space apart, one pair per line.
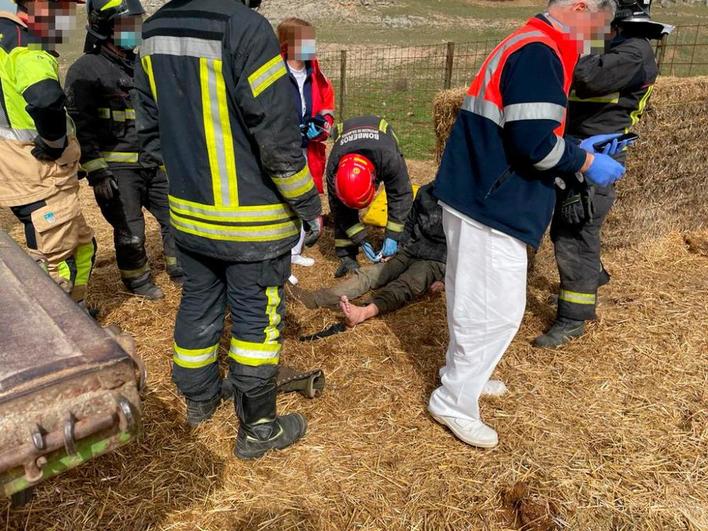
399, 83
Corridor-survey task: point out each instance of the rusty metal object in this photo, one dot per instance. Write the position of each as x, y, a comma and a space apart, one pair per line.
68, 389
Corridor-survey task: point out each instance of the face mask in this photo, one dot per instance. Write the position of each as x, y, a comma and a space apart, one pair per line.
128, 40
307, 50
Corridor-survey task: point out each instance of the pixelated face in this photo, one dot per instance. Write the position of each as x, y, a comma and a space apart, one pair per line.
53, 22
304, 47
127, 32
590, 28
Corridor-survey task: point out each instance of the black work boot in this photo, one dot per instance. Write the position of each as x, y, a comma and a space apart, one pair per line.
174, 270
200, 411
562, 331
143, 286
347, 264
260, 428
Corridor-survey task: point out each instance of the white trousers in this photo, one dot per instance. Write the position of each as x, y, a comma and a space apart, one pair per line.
298, 247
485, 286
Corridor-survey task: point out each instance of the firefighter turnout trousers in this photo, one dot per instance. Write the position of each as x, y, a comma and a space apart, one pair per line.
59, 238
577, 250
138, 188
254, 293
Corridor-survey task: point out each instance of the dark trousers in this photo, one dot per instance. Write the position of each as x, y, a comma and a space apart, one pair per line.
254, 293
397, 282
577, 250
138, 188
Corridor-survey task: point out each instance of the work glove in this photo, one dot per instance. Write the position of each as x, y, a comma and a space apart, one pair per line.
390, 247
347, 265
104, 184
604, 170
44, 152
610, 149
313, 230
577, 207
316, 128
372, 255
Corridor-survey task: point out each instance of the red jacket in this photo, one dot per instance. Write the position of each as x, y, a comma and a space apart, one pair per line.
320, 101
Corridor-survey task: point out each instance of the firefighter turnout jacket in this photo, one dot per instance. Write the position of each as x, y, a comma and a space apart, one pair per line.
611, 90
100, 90
374, 138
238, 176
32, 105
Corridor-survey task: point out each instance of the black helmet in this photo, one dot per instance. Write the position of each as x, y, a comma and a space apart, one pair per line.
253, 4
634, 16
102, 14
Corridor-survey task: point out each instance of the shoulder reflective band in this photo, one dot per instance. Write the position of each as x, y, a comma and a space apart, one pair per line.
235, 233
296, 185
194, 358
21, 135
553, 157
254, 354
274, 318
120, 157
394, 226
239, 214
576, 297
606, 98
93, 165
266, 75
217, 132
483, 108
355, 229
146, 61
538, 110
182, 47
383, 125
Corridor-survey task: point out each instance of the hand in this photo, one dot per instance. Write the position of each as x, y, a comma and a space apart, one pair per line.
611, 147
104, 184
317, 128
347, 265
44, 152
390, 247
437, 286
313, 230
372, 255
604, 170
576, 208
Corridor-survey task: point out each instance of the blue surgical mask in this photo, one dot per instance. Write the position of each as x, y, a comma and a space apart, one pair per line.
128, 40
308, 50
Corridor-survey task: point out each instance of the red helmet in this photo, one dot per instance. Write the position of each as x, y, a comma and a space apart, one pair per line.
355, 180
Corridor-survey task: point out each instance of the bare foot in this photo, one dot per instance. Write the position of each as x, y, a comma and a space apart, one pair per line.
353, 314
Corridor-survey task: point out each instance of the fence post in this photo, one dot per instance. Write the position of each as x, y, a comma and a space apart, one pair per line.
449, 63
661, 51
342, 82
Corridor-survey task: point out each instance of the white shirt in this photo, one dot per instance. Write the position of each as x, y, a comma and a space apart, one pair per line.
301, 76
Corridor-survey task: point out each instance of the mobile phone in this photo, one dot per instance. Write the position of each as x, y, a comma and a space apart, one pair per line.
631, 137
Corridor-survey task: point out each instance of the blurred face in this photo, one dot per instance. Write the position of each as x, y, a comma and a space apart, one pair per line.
303, 47
127, 32
589, 28
51, 21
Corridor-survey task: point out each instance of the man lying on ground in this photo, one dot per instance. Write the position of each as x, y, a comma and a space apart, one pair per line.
419, 266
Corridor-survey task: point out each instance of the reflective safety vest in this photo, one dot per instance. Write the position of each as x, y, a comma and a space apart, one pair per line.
484, 95
30, 91
214, 103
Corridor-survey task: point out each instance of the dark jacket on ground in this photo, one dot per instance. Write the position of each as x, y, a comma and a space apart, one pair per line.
423, 237
214, 102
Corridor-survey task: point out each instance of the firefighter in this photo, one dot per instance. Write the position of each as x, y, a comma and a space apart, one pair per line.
100, 100
214, 102
610, 93
365, 154
39, 154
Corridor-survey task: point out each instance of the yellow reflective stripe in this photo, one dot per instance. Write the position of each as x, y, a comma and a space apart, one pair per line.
266, 75
84, 263
271, 331
194, 358
343, 243
130, 114
383, 125
254, 354
340, 128
355, 229
117, 156
259, 233
227, 137
636, 114
171, 260
255, 213
134, 273
209, 134
95, 164
111, 4
119, 116
576, 297
64, 271
394, 226
104, 113
147, 66
605, 98
296, 185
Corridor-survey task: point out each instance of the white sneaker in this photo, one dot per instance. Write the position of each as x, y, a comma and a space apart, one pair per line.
494, 388
472, 432
300, 260
293, 280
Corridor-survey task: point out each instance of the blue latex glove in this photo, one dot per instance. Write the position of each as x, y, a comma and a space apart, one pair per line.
313, 131
390, 247
610, 149
604, 170
370, 253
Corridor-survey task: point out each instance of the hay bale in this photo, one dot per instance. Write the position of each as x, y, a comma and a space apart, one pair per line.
664, 188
